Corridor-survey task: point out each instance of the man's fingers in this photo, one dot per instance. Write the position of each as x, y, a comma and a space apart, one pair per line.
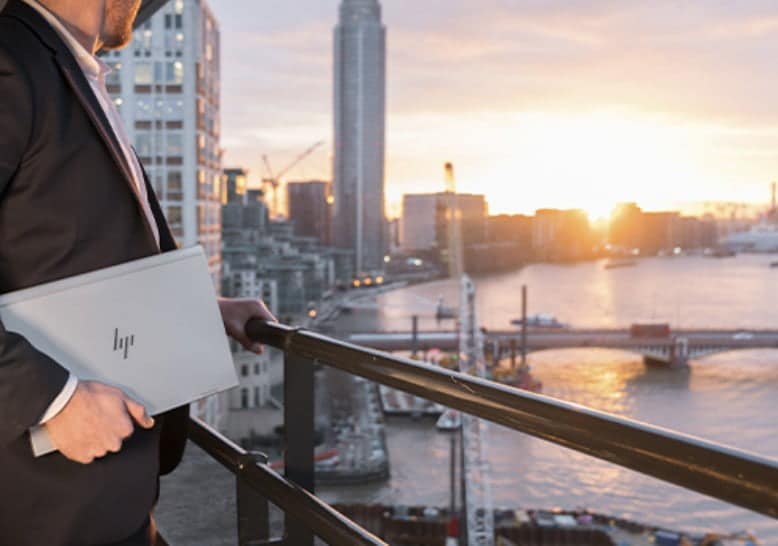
265, 313
138, 412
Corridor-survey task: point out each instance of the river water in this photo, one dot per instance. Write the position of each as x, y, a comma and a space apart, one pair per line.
729, 398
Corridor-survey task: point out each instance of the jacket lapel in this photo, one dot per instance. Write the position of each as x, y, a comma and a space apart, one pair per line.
166, 240
77, 81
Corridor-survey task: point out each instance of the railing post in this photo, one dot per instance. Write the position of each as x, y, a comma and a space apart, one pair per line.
252, 508
299, 429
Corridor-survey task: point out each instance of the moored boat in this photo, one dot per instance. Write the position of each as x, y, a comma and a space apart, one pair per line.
541, 320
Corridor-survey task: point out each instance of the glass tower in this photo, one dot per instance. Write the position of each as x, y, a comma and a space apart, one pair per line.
360, 113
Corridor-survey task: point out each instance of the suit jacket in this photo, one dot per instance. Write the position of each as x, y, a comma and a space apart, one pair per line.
66, 207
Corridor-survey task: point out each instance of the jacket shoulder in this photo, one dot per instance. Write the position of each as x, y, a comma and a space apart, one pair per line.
20, 46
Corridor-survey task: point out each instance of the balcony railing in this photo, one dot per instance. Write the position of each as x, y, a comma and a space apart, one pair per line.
725, 473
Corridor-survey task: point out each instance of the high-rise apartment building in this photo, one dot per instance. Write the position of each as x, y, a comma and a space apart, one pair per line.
360, 113
166, 86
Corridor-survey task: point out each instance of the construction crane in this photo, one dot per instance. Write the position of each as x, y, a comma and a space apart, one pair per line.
273, 181
454, 220
477, 490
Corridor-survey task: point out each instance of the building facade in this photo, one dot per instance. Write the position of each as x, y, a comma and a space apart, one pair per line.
359, 115
235, 185
310, 209
561, 235
166, 85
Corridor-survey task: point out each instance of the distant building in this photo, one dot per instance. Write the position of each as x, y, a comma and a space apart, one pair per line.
360, 112
247, 211
633, 230
260, 254
661, 232
235, 186
424, 227
418, 227
424, 223
561, 235
310, 209
166, 85
509, 227
252, 369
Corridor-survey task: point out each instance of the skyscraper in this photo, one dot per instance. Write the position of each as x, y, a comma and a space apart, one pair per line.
166, 85
360, 113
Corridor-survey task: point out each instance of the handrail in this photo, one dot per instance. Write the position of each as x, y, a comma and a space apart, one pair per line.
719, 471
295, 501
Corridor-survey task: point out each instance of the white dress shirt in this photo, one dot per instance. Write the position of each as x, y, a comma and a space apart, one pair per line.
95, 71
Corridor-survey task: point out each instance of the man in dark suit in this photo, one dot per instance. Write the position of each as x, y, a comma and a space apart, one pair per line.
73, 198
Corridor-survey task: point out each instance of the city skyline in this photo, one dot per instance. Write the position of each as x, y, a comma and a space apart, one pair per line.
679, 95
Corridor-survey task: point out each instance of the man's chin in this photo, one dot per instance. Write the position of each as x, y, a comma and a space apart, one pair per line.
116, 41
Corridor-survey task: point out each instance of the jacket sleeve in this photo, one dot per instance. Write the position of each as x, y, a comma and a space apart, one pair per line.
29, 380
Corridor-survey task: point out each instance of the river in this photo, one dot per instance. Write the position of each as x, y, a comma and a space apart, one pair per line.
730, 398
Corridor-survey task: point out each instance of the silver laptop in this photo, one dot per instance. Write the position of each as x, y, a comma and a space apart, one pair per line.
151, 327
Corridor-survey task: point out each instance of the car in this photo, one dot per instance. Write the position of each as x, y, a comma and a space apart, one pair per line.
743, 336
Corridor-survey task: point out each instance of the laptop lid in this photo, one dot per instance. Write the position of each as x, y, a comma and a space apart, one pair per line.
151, 327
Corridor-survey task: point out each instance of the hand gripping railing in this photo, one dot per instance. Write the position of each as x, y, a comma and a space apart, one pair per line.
715, 470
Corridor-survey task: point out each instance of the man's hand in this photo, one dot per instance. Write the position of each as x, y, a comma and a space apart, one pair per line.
237, 312
95, 422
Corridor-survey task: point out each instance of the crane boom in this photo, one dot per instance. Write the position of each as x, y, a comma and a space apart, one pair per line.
298, 159
274, 180
454, 219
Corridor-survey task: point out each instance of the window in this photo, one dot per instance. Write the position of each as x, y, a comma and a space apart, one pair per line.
143, 109
175, 144
173, 108
174, 214
146, 39
174, 73
174, 181
257, 400
143, 75
114, 77
144, 143
244, 398
244, 371
256, 369
159, 72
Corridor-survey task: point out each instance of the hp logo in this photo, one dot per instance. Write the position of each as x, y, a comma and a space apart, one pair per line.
123, 343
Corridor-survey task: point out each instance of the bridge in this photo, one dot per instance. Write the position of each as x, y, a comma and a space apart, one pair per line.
674, 350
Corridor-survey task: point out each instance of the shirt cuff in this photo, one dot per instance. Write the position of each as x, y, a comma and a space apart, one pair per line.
61, 400
41, 441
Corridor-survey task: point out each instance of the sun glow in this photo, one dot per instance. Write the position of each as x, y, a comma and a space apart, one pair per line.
590, 161
595, 161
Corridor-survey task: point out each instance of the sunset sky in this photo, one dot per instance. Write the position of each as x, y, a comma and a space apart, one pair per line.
538, 103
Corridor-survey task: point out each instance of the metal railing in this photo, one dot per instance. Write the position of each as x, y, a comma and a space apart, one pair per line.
718, 471
256, 483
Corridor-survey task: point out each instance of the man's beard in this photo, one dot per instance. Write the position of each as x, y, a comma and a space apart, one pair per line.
117, 26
